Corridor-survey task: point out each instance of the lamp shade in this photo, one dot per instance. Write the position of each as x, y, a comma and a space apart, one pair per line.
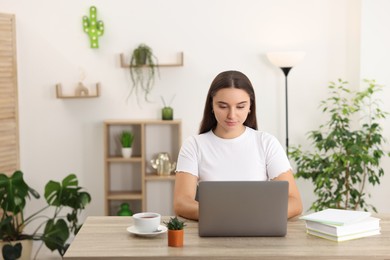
287, 59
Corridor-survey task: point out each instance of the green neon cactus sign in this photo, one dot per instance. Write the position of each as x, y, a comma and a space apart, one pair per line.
92, 27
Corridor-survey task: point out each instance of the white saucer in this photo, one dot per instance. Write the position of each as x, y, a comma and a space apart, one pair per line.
161, 229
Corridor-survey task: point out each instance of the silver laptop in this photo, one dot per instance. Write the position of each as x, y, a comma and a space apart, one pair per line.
243, 208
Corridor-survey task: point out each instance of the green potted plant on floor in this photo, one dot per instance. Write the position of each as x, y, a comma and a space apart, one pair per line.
57, 228
143, 69
347, 149
175, 232
126, 139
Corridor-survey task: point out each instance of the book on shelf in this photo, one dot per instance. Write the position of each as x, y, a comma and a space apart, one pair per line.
345, 237
365, 225
337, 216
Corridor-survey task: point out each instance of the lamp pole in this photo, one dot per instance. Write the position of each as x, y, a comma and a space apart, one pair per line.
285, 61
286, 70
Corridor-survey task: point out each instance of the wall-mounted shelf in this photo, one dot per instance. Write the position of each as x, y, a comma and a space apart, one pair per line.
179, 63
83, 93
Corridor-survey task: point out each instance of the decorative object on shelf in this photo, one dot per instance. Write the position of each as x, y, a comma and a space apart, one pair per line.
163, 164
124, 210
143, 68
57, 228
175, 232
167, 110
286, 61
347, 149
92, 27
126, 139
167, 113
80, 92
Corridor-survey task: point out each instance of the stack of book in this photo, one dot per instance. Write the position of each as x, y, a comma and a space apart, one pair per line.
341, 225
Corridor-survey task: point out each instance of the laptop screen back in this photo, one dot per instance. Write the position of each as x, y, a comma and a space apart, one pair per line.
243, 208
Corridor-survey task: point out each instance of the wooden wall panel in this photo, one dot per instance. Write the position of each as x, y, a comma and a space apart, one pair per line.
9, 127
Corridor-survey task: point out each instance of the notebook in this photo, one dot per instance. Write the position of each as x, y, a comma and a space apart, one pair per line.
243, 208
337, 217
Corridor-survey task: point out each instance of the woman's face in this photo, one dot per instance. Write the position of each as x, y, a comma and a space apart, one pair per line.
231, 107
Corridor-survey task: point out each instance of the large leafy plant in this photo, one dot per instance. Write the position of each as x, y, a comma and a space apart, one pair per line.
57, 228
347, 149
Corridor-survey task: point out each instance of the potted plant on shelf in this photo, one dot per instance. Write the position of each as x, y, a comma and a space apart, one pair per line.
126, 139
347, 149
143, 68
167, 110
56, 228
175, 232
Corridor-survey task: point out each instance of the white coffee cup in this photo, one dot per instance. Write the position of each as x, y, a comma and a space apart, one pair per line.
146, 222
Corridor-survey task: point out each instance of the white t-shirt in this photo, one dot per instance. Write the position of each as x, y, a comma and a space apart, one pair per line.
254, 155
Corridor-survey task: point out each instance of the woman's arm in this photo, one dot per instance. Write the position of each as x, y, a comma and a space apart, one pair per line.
184, 202
294, 198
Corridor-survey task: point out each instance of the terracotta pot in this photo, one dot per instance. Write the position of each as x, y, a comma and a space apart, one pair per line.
175, 238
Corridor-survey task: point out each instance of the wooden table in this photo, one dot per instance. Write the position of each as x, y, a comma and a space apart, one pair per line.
107, 238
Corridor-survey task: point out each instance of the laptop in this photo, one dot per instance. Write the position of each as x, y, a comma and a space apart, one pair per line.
243, 208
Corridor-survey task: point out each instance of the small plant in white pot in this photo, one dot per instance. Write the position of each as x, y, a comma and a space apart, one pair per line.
126, 139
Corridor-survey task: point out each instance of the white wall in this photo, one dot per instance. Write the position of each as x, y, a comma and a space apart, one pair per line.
63, 136
375, 41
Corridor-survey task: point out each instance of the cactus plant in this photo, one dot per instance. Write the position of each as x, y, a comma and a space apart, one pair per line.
92, 27
175, 224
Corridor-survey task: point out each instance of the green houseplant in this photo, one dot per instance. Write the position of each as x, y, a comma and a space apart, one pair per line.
347, 149
57, 228
175, 232
167, 110
126, 139
143, 68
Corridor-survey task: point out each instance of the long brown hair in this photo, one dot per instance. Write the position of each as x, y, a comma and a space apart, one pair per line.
228, 79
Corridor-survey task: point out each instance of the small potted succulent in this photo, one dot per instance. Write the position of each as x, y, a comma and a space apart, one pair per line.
126, 139
175, 232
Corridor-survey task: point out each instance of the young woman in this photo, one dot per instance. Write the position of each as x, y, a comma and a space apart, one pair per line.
229, 147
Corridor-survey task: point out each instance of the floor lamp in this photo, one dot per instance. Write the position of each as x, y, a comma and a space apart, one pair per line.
285, 61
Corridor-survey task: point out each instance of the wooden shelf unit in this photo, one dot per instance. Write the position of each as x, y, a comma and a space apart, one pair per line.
133, 174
